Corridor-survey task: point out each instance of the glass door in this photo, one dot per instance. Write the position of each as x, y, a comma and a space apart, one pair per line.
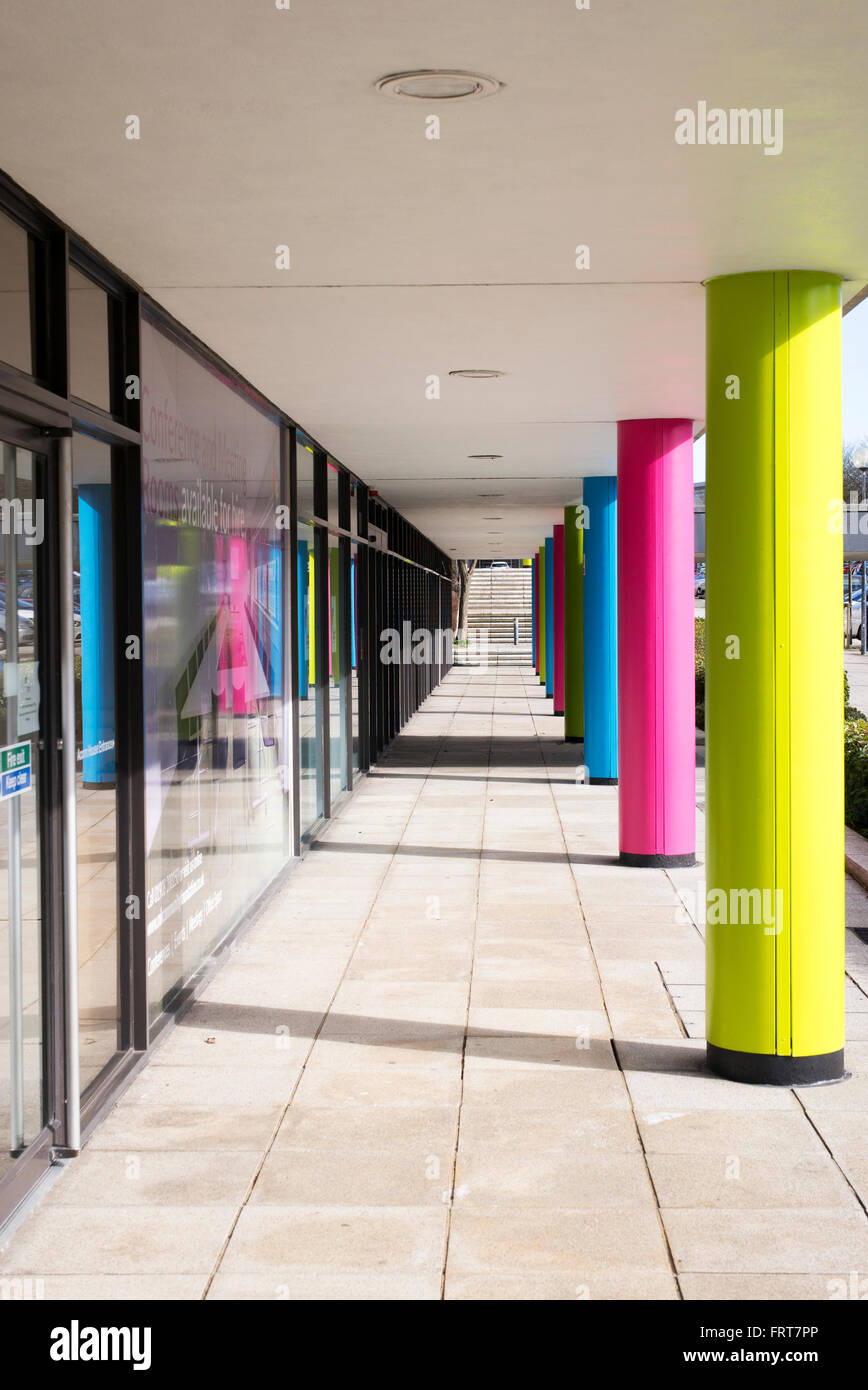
25, 785
94, 577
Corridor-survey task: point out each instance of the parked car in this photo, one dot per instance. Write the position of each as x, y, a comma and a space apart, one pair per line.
856, 621
499, 565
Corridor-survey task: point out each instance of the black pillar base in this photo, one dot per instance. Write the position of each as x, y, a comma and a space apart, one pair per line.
657, 861
769, 1069
602, 781
574, 738
558, 713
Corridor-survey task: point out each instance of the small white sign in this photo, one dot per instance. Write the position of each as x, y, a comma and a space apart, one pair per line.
28, 697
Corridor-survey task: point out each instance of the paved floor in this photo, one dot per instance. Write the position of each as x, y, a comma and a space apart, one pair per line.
460, 1056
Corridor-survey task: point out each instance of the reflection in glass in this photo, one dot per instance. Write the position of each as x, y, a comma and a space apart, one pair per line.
96, 779
354, 650
333, 493
304, 467
309, 692
88, 340
16, 344
21, 1012
216, 783
337, 668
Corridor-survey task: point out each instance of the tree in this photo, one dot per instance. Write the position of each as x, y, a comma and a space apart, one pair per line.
465, 572
855, 453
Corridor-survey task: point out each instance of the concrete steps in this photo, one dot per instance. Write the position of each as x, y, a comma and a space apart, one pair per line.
496, 599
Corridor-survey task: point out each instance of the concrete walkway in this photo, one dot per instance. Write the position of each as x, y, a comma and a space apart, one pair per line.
460, 1056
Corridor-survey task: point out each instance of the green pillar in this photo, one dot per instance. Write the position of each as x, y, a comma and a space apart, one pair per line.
574, 723
774, 755
541, 609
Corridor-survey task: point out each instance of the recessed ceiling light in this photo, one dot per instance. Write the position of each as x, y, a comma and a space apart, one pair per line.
492, 518
438, 84
492, 494
489, 458
477, 373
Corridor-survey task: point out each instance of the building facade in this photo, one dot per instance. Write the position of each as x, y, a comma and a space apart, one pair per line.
210, 630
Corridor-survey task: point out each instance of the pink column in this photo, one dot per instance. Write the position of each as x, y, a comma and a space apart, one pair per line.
558, 623
656, 719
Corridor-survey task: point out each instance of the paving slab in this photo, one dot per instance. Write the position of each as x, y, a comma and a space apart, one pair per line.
460, 1055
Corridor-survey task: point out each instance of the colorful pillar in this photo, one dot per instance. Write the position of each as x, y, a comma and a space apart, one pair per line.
534, 616
558, 625
303, 618
573, 638
656, 667
96, 569
599, 602
550, 618
541, 610
775, 890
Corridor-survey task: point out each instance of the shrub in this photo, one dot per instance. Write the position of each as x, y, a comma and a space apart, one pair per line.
856, 774
850, 711
699, 669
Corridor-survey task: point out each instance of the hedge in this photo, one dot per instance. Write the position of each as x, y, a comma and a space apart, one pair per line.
699, 669
855, 740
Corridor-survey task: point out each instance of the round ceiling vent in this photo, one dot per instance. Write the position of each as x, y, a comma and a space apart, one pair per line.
438, 84
476, 373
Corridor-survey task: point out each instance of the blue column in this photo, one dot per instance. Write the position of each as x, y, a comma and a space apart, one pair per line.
97, 632
275, 620
303, 634
550, 617
354, 579
600, 614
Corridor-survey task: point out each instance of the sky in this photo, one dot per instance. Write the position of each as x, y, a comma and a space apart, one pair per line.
854, 384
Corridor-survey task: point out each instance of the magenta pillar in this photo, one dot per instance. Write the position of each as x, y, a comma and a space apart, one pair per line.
558, 626
656, 700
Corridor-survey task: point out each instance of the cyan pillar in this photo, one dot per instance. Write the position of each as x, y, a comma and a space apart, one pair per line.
774, 757
275, 622
303, 619
550, 618
599, 599
656, 666
96, 568
573, 638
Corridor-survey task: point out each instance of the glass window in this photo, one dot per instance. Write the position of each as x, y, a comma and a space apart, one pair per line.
216, 775
21, 609
16, 337
354, 651
357, 516
333, 481
88, 340
310, 759
95, 783
337, 671
304, 465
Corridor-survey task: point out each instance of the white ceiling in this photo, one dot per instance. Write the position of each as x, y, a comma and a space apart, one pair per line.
410, 256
